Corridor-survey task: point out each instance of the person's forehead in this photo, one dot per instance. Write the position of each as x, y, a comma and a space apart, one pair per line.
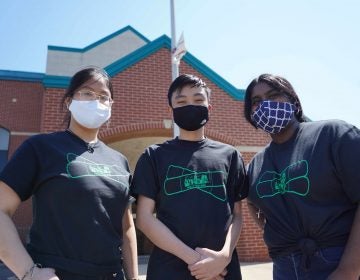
264, 91
190, 90
262, 88
96, 84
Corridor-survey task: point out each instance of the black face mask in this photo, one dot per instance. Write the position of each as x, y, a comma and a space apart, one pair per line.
191, 117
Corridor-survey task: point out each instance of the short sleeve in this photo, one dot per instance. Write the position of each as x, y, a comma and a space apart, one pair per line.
130, 198
144, 181
237, 178
347, 155
21, 171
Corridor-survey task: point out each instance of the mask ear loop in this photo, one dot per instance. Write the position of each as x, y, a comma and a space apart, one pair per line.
297, 108
108, 123
68, 102
68, 113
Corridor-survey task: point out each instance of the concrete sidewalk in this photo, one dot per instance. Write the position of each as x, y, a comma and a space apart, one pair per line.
249, 271
256, 271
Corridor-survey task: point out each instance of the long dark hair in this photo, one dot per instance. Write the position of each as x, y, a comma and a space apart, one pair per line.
277, 83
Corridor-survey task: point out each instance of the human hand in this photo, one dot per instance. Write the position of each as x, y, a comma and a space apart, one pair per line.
221, 276
44, 274
211, 265
340, 274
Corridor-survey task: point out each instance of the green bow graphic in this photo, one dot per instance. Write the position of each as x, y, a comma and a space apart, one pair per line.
179, 180
79, 167
293, 179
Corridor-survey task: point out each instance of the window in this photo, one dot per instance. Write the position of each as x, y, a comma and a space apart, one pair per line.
4, 146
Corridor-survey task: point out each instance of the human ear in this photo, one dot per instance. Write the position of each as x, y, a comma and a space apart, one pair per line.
297, 107
67, 102
170, 112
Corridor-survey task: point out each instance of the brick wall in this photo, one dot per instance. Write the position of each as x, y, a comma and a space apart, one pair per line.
139, 110
20, 113
251, 246
20, 109
141, 96
20, 106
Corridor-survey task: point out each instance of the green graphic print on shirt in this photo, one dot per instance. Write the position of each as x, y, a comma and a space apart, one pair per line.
293, 179
79, 167
179, 180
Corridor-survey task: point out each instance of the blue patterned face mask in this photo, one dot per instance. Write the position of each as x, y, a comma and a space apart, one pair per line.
273, 116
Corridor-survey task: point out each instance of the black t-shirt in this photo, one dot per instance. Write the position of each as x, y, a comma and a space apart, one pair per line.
308, 187
194, 186
79, 197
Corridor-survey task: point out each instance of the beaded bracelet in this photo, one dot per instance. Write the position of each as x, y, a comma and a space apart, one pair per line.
30, 272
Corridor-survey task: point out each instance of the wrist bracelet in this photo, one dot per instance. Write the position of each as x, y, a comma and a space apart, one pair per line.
30, 272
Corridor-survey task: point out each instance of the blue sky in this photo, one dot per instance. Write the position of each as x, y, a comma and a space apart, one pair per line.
315, 44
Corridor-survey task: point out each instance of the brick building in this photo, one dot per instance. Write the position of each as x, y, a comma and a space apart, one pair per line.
141, 74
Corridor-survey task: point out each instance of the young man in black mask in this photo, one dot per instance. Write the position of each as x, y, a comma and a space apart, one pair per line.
196, 185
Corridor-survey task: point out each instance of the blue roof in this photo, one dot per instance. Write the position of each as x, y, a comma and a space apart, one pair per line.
21, 76
165, 42
122, 64
93, 45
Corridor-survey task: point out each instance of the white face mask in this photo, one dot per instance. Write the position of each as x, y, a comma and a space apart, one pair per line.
90, 114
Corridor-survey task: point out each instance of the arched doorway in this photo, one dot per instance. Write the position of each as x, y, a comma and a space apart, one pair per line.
132, 149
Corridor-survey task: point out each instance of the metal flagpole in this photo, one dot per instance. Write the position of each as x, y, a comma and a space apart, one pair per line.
174, 63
